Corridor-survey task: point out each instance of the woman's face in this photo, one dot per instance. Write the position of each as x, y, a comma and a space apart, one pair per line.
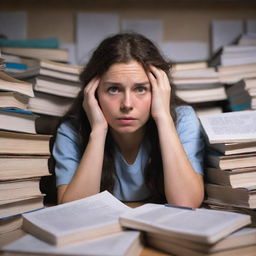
124, 95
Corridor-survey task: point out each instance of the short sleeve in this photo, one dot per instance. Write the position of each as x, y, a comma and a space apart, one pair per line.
66, 152
191, 136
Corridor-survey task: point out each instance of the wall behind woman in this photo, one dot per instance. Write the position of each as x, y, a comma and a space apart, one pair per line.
184, 20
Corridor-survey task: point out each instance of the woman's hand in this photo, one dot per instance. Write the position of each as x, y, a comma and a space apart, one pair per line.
92, 108
161, 94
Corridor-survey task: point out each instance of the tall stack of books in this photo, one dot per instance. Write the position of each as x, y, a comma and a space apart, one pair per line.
103, 225
55, 82
55, 89
231, 175
242, 94
236, 65
198, 84
23, 154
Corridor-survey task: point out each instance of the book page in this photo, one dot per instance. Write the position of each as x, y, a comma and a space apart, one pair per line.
98, 210
227, 127
196, 224
117, 244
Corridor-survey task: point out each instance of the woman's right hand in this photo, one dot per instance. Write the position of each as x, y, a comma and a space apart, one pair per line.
92, 108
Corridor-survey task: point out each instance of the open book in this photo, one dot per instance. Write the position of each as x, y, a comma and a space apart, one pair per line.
229, 127
103, 214
126, 243
75, 221
198, 225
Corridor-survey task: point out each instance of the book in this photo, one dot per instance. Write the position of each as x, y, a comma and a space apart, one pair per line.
8, 83
239, 197
51, 42
232, 161
57, 74
13, 100
218, 205
13, 143
241, 238
179, 250
230, 127
233, 73
234, 178
80, 220
38, 53
17, 120
18, 167
9, 237
48, 104
61, 67
234, 148
9, 224
16, 207
125, 243
202, 95
57, 86
189, 65
198, 225
16, 189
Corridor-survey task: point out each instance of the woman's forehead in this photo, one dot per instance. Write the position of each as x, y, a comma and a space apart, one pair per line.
121, 69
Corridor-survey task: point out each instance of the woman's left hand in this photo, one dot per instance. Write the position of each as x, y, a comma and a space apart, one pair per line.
161, 94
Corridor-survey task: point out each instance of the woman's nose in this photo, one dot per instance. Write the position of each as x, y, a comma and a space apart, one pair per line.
126, 104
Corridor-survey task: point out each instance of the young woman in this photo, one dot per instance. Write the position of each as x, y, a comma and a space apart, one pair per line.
125, 133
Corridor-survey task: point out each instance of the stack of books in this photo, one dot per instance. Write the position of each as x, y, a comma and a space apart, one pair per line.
23, 154
237, 61
242, 94
55, 89
231, 176
197, 84
103, 225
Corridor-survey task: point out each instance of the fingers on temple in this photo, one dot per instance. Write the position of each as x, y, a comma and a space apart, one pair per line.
160, 76
91, 86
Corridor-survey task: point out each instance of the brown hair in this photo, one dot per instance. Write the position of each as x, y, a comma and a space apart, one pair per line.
122, 48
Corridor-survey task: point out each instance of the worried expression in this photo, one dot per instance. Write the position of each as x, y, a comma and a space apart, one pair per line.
124, 95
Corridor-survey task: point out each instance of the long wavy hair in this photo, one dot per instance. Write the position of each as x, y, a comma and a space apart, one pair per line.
123, 48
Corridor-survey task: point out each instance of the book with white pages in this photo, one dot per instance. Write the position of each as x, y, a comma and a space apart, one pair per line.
198, 225
243, 237
125, 243
80, 220
238, 126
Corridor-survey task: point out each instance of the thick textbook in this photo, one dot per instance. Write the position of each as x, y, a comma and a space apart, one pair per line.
61, 67
229, 127
24, 144
80, 220
125, 243
38, 53
13, 100
17, 120
234, 178
10, 208
239, 197
8, 83
14, 167
16, 189
232, 161
243, 237
198, 225
235, 148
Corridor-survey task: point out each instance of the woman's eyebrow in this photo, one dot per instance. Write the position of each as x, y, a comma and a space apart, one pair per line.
112, 83
143, 83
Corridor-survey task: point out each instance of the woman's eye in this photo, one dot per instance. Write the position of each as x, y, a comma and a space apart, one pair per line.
141, 89
113, 90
